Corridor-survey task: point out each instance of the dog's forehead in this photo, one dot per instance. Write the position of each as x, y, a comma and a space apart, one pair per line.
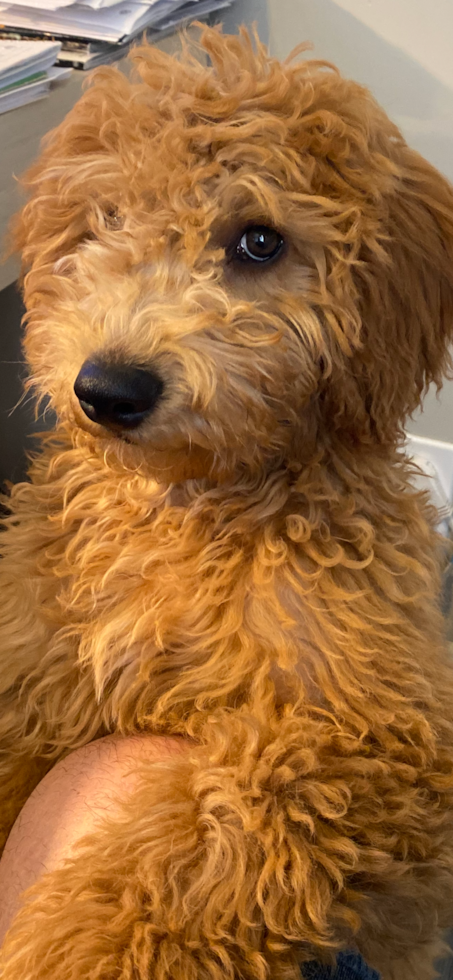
184, 146
245, 158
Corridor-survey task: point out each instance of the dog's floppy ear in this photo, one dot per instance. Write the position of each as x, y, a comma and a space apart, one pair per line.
60, 184
405, 287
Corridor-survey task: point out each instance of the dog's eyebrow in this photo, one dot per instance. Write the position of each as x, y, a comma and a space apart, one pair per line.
342, 176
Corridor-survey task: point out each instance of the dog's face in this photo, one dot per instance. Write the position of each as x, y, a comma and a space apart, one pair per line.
234, 266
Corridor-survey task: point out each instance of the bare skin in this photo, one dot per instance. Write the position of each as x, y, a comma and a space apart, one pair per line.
66, 805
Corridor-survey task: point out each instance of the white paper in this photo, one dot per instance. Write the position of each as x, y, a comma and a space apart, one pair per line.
53, 5
198, 8
109, 24
168, 8
43, 4
18, 59
17, 97
58, 74
113, 23
102, 4
14, 53
25, 94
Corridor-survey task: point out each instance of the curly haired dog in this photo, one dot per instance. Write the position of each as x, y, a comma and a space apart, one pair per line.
240, 283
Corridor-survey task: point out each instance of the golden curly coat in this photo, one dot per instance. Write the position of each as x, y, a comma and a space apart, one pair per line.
250, 566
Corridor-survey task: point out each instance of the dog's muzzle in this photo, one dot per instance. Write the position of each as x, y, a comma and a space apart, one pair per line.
118, 396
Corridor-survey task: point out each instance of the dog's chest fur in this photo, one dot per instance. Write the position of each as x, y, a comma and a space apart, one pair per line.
169, 601
159, 587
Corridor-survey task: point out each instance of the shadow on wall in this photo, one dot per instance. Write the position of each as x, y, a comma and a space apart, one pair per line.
17, 414
420, 104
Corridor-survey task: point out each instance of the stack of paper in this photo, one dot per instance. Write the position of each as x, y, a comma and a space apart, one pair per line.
104, 21
191, 10
26, 71
86, 54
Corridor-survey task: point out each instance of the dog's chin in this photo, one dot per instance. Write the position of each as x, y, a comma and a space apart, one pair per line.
164, 452
132, 453
178, 466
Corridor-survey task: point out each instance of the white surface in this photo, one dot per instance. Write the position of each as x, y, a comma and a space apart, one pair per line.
18, 53
19, 59
57, 4
53, 5
429, 479
92, 19
25, 94
199, 8
435, 460
109, 24
440, 454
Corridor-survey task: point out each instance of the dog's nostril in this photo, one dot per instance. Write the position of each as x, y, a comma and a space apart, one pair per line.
123, 408
117, 396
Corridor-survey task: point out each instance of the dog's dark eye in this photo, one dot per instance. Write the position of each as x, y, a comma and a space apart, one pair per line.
259, 244
113, 219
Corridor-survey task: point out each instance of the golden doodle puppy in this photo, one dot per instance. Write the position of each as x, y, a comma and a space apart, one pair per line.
239, 282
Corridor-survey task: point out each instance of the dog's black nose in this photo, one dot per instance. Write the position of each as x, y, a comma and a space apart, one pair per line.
119, 396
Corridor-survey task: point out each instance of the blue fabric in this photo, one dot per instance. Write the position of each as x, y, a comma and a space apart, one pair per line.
350, 966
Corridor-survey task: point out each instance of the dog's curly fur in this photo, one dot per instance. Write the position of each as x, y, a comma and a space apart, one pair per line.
251, 568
